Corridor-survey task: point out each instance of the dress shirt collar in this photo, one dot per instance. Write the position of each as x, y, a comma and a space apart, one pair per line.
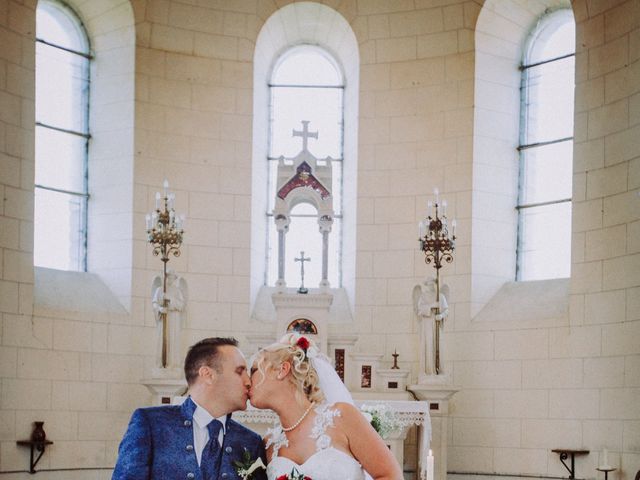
202, 418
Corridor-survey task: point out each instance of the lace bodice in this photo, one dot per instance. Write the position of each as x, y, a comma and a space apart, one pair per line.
327, 463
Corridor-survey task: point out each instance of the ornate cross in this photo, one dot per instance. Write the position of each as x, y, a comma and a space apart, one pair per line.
305, 133
302, 259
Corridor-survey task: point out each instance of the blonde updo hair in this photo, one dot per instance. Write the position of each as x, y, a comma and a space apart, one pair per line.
303, 376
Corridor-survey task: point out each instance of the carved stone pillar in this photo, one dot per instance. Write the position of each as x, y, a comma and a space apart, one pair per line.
438, 397
282, 225
325, 222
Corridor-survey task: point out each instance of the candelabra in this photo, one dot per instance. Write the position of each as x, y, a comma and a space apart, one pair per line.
437, 247
164, 233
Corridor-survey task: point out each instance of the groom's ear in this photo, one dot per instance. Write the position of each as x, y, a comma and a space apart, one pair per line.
207, 374
285, 368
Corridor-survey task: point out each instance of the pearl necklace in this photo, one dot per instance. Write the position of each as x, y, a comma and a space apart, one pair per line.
306, 412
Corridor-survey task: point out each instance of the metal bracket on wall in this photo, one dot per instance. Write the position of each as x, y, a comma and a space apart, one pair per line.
564, 455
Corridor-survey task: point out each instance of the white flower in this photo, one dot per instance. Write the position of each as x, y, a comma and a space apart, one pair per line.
244, 471
381, 418
254, 466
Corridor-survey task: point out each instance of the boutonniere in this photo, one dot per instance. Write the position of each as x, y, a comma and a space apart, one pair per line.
246, 466
294, 475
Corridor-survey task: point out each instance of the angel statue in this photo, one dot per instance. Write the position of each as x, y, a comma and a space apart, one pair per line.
172, 304
431, 315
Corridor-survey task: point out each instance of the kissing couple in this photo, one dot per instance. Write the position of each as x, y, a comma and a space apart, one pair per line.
319, 435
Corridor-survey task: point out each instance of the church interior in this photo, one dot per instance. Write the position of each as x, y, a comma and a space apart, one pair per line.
445, 194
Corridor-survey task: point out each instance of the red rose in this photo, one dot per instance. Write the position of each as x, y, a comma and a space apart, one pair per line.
282, 477
303, 343
307, 478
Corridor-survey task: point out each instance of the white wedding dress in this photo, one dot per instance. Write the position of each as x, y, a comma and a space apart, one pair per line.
327, 463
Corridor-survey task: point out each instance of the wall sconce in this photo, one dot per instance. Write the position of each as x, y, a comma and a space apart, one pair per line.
38, 442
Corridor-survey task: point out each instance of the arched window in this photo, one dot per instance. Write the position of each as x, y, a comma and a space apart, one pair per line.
546, 150
62, 136
306, 84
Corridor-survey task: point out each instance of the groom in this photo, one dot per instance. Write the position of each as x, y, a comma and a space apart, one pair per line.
196, 440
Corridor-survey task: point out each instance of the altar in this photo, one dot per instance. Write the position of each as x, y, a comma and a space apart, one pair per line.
405, 414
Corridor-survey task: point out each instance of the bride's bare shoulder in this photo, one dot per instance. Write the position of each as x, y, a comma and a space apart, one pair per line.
345, 408
348, 413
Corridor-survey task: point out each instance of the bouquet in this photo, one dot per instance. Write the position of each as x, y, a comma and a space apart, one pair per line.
294, 475
380, 418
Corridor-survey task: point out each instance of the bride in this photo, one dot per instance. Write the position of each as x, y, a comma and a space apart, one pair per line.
320, 434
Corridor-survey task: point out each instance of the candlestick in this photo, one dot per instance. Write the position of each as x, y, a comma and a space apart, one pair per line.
605, 459
430, 462
395, 356
438, 246
165, 234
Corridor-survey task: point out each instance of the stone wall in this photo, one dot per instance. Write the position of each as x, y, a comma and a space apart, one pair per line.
527, 384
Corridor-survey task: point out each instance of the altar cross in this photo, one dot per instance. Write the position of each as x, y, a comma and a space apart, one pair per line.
302, 259
305, 134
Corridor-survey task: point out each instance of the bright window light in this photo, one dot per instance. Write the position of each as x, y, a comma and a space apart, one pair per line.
546, 150
62, 106
306, 84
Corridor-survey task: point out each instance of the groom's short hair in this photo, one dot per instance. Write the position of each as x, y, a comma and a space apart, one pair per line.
205, 352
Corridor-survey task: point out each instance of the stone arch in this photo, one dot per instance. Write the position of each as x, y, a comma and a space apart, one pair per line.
501, 34
295, 24
110, 26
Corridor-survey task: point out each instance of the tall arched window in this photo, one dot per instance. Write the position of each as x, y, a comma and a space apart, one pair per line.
306, 84
62, 136
546, 150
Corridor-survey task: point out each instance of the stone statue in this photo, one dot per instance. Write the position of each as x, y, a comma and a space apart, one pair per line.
176, 297
431, 316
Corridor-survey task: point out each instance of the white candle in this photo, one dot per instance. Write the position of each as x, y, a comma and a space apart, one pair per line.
444, 207
157, 200
165, 184
605, 458
436, 193
453, 227
430, 466
148, 221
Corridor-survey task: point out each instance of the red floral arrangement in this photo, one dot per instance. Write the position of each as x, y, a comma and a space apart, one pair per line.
303, 343
294, 475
